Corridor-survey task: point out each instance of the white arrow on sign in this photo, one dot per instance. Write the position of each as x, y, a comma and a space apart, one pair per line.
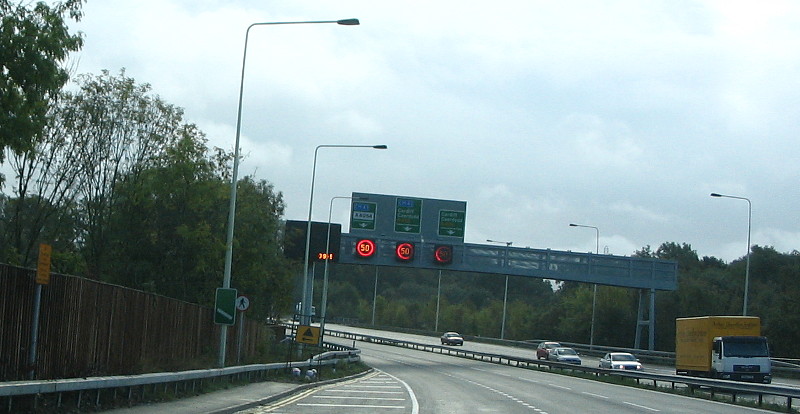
225, 314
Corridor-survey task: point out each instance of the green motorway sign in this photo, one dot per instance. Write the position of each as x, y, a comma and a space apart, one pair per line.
363, 217
451, 223
408, 215
225, 306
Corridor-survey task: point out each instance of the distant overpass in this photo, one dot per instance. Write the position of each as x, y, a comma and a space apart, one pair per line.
610, 270
645, 274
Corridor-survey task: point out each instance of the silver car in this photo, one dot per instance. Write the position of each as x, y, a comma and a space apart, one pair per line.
565, 355
620, 360
452, 338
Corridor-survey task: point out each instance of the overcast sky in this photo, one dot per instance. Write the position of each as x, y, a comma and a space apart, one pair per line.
622, 115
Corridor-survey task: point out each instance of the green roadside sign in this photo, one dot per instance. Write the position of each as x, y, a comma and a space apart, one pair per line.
408, 215
451, 223
225, 306
363, 217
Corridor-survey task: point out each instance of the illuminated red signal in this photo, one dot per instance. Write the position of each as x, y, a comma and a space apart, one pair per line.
365, 248
404, 251
443, 254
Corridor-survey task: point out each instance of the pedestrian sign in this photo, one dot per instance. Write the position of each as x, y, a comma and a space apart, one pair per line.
242, 303
225, 306
307, 334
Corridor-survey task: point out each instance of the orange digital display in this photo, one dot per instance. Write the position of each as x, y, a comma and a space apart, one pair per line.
365, 248
325, 256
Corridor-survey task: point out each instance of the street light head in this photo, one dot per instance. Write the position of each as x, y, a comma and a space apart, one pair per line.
573, 225
715, 195
348, 22
380, 146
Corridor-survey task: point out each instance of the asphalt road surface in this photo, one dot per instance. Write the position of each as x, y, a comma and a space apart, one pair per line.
408, 381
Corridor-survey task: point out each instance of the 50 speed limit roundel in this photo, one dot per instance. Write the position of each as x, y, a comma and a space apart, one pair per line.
365, 248
404, 251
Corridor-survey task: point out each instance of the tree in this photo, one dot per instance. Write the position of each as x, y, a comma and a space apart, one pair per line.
122, 131
34, 43
46, 188
165, 230
107, 132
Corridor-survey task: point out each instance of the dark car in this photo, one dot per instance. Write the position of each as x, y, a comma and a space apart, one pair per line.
543, 350
452, 338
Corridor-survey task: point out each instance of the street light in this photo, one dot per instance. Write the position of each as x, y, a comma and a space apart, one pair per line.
327, 259
306, 303
505, 292
747, 268
226, 282
594, 293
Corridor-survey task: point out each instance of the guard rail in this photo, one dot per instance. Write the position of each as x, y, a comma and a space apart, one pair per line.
179, 381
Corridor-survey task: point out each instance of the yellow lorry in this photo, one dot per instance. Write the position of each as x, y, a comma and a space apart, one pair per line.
724, 347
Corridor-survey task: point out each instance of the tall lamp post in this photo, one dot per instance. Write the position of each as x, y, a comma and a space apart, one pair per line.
594, 289
306, 303
747, 267
226, 282
328, 259
505, 291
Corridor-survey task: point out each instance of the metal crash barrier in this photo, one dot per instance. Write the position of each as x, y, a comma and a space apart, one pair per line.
89, 389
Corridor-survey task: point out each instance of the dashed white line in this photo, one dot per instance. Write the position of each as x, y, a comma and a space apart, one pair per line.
595, 395
640, 406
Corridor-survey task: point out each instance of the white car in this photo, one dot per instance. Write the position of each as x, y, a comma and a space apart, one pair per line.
620, 360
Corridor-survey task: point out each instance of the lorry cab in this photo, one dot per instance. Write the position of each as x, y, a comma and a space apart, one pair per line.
741, 358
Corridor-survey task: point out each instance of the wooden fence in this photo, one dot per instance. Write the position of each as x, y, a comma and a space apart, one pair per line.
89, 328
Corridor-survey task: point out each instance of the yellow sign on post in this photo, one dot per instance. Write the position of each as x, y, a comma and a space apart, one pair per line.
307, 334
43, 265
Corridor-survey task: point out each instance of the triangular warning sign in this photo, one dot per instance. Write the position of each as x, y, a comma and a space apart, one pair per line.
308, 333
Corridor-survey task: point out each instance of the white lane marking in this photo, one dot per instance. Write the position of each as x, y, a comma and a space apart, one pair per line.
496, 391
640, 406
414, 402
350, 405
342, 397
595, 395
560, 386
367, 391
